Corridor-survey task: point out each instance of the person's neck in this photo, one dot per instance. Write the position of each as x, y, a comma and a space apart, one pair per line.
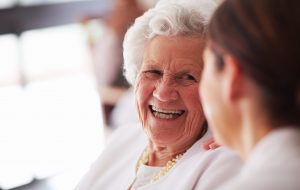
160, 155
254, 127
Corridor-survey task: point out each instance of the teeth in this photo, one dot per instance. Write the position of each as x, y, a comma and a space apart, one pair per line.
166, 111
164, 116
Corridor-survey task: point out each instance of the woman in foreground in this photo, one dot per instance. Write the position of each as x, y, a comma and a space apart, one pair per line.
250, 89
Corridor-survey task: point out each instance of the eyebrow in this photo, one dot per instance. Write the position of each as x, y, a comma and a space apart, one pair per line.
183, 72
151, 65
190, 68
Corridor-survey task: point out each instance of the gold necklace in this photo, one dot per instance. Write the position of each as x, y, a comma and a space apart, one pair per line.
144, 159
166, 168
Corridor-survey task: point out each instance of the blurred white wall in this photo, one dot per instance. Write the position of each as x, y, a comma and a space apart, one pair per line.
53, 126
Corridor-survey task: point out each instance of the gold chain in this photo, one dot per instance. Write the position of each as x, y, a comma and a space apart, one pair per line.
144, 158
166, 168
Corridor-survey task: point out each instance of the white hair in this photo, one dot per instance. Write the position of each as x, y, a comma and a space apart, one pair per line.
166, 19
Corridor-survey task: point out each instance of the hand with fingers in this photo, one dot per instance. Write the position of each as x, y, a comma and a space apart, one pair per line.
210, 144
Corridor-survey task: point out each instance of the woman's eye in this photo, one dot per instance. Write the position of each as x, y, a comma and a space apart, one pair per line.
186, 79
153, 74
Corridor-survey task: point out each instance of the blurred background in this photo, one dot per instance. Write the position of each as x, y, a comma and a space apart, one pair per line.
61, 87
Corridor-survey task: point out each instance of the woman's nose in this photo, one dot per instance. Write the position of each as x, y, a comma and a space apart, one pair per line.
165, 91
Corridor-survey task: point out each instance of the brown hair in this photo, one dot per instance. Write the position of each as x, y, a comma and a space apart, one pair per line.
264, 35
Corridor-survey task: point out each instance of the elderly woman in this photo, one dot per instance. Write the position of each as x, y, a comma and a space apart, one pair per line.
163, 61
250, 89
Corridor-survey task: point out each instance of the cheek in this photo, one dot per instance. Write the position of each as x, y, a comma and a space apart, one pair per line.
210, 94
193, 103
191, 98
207, 93
143, 92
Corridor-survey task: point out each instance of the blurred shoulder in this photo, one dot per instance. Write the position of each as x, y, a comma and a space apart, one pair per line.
219, 166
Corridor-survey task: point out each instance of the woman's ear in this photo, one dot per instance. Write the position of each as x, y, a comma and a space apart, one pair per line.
233, 79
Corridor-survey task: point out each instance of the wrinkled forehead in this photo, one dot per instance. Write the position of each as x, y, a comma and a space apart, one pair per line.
173, 53
174, 67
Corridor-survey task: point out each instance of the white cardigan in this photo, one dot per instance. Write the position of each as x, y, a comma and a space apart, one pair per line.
197, 169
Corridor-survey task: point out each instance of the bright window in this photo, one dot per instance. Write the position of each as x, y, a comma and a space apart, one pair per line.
54, 124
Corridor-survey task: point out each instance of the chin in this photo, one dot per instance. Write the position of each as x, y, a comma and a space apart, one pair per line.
163, 137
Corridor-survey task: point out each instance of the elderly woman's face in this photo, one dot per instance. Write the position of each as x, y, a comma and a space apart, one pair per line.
167, 90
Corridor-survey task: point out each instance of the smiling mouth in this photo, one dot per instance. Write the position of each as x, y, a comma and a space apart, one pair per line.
165, 114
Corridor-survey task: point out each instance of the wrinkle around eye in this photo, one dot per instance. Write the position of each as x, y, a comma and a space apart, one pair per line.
186, 79
185, 82
153, 74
